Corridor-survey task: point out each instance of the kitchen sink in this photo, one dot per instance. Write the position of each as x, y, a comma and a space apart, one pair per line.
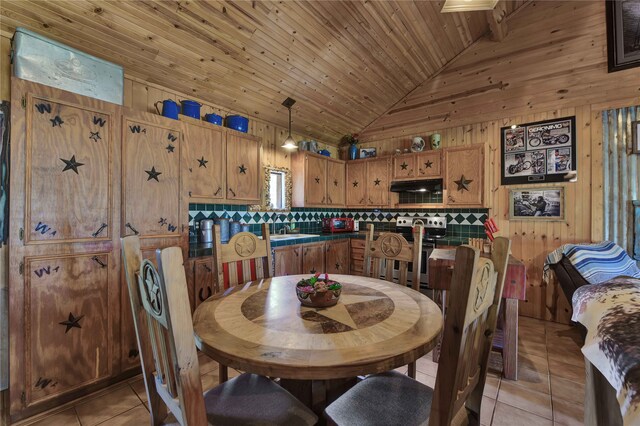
280, 237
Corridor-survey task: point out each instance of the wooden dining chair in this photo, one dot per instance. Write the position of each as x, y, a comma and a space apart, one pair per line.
381, 254
162, 319
244, 258
393, 398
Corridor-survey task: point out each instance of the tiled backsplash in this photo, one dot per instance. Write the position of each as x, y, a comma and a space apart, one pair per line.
460, 222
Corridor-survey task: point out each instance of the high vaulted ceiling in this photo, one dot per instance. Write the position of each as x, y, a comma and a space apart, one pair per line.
345, 62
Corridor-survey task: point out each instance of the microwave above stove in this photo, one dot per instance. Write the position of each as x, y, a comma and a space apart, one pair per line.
337, 224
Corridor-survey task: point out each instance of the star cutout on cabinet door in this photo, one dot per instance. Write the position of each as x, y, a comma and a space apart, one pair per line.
153, 174
203, 162
56, 121
377, 182
428, 164
71, 164
404, 166
243, 169
335, 182
317, 180
355, 183
170, 148
72, 322
463, 183
95, 136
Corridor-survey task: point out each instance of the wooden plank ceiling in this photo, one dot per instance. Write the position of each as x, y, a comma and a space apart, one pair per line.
345, 62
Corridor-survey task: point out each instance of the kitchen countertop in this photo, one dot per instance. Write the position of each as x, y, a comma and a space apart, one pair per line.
202, 249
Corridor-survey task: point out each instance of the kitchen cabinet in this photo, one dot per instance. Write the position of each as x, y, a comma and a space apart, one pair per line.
318, 181
244, 168
464, 176
288, 260
204, 280
151, 172
357, 256
203, 166
64, 201
313, 258
368, 182
414, 166
337, 256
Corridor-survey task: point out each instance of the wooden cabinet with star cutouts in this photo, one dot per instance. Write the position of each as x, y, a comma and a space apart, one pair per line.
64, 259
464, 176
337, 256
203, 165
368, 183
318, 181
415, 166
244, 172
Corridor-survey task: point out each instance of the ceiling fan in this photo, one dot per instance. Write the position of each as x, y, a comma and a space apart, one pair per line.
467, 5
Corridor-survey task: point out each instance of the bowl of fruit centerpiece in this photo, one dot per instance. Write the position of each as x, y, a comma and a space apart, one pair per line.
318, 292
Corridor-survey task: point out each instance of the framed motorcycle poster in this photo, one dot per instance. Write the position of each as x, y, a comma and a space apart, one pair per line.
536, 204
542, 151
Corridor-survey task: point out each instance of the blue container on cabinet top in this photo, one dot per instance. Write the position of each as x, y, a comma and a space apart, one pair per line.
213, 118
191, 109
237, 122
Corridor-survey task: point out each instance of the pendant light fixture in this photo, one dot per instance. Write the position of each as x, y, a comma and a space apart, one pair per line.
289, 143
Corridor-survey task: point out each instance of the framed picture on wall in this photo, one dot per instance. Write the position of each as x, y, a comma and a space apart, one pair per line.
536, 204
537, 152
635, 137
623, 34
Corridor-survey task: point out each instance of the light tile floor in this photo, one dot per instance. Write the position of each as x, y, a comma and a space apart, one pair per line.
549, 390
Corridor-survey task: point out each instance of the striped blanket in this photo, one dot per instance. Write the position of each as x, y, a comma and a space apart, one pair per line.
597, 263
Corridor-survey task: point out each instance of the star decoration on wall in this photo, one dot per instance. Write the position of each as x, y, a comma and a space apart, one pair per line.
71, 164
203, 162
428, 164
317, 180
72, 322
404, 166
463, 183
377, 182
153, 174
243, 169
170, 148
95, 136
355, 183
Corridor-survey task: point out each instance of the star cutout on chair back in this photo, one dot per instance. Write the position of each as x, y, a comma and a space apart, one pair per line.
71, 164
72, 322
203, 162
463, 183
243, 169
153, 174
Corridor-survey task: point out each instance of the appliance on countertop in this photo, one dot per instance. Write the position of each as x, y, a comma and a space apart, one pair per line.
337, 224
424, 185
435, 228
206, 231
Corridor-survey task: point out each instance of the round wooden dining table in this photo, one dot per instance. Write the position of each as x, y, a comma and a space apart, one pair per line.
262, 328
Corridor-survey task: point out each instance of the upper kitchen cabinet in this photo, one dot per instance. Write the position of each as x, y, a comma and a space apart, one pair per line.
368, 182
244, 168
464, 176
318, 181
203, 165
414, 166
151, 147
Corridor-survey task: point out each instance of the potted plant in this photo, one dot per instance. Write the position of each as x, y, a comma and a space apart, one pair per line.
317, 292
352, 140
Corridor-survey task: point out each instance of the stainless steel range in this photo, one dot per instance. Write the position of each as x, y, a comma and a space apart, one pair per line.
435, 228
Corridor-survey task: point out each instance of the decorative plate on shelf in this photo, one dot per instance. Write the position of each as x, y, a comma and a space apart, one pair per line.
417, 144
